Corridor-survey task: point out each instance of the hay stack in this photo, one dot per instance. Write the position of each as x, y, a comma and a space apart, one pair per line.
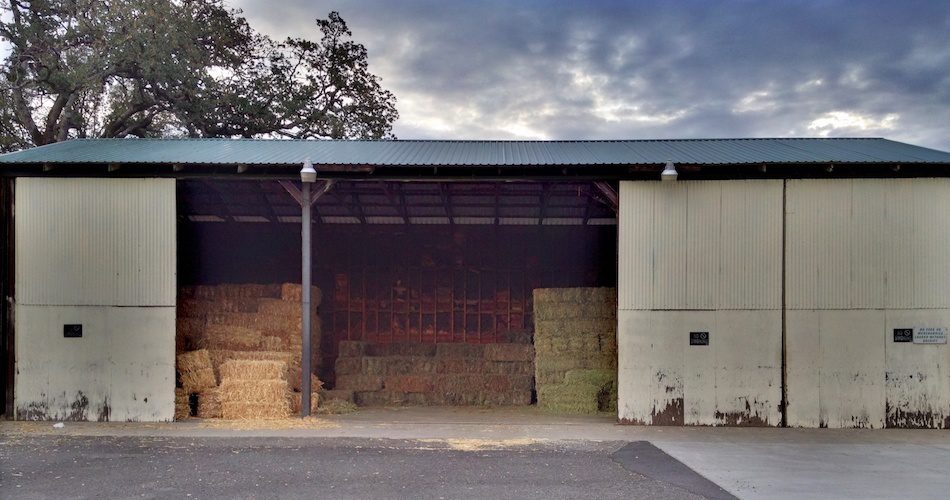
217, 336
195, 371
182, 406
258, 369
209, 404
254, 389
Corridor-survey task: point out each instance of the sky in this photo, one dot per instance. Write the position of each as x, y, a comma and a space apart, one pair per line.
606, 69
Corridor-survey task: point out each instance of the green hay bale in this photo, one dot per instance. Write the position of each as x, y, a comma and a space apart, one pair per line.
585, 391
336, 407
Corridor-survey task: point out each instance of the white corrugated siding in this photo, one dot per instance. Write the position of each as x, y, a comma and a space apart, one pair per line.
868, 244
108, 242
700, 245
700, 256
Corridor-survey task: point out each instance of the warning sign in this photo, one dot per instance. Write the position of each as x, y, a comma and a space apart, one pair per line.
930, 335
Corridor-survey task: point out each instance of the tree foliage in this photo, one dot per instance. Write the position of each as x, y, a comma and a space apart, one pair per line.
195, 68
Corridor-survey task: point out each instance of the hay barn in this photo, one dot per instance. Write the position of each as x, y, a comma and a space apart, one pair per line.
761, 282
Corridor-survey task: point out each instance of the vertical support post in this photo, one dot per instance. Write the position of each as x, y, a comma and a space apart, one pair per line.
306, 226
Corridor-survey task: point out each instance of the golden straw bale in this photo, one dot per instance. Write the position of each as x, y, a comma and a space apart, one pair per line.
280, 308
209, 404
197, 380
295, 400
231, 338
182, 404
248, 399
245, 410
245, 369
194, 361
272, 343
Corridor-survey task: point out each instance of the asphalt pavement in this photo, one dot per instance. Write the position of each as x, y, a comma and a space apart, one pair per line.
51, 466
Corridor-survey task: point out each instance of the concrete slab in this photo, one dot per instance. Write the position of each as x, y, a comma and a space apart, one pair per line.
748, 462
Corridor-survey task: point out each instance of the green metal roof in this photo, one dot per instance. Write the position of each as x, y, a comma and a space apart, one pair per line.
477, 153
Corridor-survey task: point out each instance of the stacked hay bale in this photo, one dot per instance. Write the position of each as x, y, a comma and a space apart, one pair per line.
576, 343
241, 323
413, 373
254, 389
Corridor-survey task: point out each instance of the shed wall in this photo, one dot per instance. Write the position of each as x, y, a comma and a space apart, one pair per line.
700, 257
866, 256
863, 256
100, 253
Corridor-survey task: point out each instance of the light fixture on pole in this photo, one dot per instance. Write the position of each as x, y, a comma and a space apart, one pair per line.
669, 172
308, 175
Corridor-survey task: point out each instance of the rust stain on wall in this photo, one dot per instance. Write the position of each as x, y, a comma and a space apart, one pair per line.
672, 414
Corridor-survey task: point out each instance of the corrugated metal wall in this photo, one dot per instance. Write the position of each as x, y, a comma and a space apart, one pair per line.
866, 256
701, 245
700, 256
95, 242
100, 253
863, 256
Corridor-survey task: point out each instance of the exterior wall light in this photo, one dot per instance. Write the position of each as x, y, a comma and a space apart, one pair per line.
308, 173
669, 172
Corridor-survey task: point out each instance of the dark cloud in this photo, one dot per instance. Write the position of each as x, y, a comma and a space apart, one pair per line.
611, 69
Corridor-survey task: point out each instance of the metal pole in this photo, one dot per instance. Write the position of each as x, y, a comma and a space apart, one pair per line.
305, 299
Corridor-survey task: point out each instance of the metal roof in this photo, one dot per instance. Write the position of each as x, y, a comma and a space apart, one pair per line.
266, 152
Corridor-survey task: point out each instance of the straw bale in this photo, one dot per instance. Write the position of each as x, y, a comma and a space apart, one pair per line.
348, 366
408, 383
360, 383
271, 391
229, 337
509, 352
219, 357
336, 394
194, 308
197, 380
182, 404
402, 349
193, 361
352, 348
272, 343
459, 350
209, 404
295, 400
245, 369
293, 292
277, 307
248, 410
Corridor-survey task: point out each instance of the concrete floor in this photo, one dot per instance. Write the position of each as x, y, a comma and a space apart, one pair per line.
750, 463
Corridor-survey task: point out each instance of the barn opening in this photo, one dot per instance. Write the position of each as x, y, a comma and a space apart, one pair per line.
426, 289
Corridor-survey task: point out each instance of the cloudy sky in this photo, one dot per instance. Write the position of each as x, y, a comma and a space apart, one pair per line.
609, 69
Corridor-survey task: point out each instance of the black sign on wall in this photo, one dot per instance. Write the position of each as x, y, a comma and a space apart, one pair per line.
72, 331
698, 338
903, 335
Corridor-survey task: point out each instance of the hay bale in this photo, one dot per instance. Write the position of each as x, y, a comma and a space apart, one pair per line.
195, 371
209, 404
509, 352
182, 404
459, 350
352, 348
219, 357
253, 370
272, 343
227, 337
280, 308
254, 399
296, 399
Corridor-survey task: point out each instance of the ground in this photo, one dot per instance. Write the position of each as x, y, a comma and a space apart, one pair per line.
465, 453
